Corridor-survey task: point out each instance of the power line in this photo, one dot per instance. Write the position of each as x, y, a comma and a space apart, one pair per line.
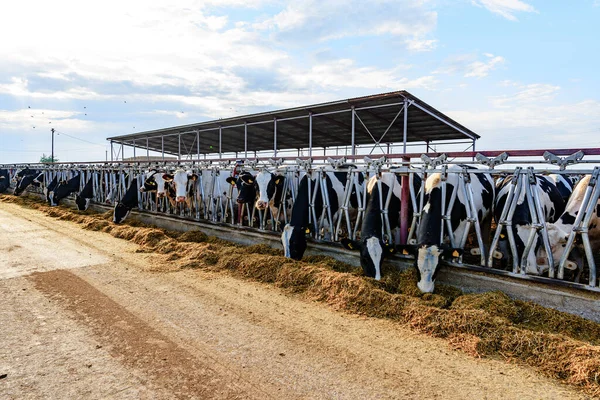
76, 138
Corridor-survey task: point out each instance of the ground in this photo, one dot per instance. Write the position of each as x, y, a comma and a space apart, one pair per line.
86, 316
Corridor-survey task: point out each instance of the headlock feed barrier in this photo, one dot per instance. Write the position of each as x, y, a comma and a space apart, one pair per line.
545, 246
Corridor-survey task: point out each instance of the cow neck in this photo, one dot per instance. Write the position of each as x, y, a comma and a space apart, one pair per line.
430, 227
130, 199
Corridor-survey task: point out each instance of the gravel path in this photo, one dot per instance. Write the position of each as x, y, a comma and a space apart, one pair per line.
85, 316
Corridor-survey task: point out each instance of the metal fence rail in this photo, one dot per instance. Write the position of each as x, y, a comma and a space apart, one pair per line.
211, 200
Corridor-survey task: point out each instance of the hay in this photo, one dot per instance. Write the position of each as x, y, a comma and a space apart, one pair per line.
559, 345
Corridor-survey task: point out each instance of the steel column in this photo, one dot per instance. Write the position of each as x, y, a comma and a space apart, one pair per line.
134, 149
179, 147
245, 140
220, 132
198, 144
275, 136
162, 147
405, 127
353, 131
310, 134
111, 150
147, 149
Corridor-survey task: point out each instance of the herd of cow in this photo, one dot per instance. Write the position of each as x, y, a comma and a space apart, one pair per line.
439, 234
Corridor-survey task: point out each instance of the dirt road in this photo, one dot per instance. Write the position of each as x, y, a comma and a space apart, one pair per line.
85, 316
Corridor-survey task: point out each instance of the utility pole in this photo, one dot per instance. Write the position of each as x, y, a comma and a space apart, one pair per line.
52, 130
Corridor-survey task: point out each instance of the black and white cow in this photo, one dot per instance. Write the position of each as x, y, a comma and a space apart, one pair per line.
430, 247
563, 184
25, 178
373, 249
65, 188
184, 184
4, 180
558, 232
128, 202
245, 184
86, 195
49, 189
553, 206
296, 231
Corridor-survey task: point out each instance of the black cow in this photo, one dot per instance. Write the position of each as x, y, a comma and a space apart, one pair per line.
553, 205
371, 245
127, 203
49, 190
429, 247
4, 180
84, 197
295, 233
65, 188
25, 178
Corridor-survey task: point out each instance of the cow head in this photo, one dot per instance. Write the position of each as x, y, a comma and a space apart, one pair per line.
82, 203
266, 188
120, 213
60, 192
154, 183
293, 239
180, 180
372, 252
427, 260
246, 186
558, 238
23, 183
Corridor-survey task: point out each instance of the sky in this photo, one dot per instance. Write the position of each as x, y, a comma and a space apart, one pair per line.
523, 74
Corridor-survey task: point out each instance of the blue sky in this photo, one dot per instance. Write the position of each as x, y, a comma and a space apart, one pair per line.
521, 73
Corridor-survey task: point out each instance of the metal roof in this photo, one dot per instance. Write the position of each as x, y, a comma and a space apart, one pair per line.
331, 126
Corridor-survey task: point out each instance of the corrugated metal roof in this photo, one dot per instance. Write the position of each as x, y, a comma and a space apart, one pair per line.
331, 126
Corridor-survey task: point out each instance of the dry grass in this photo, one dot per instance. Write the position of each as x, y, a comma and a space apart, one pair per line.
560, 345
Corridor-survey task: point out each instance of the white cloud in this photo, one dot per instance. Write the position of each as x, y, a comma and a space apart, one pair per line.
469, 66
416, 44
480, 69
531, 94
309, 20
505, 8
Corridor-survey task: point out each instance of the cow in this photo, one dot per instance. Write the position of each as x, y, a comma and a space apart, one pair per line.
127, 203
563, 184
373, 249
25, 178
430, 248
4, 180
558, 232
65, 188
295, 232
184, 185
49, 189
553, 205
214, 193
86, 195
155, 183
245, 183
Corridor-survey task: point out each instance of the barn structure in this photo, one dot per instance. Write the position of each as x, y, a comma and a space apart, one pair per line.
377, 124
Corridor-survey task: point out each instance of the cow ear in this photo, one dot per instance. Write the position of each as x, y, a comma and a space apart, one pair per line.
407, 249
350, 244
247, 179
168, 177
231, 180
277, 181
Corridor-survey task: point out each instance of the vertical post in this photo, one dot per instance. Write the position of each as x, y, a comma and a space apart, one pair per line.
122, 152
353, 131
162, 147
404, 204
52, 155
147, 150
179, 147
310, 134
405, 127
198, 144
427, 146
133, 149
220, 132
245, 139
111, 150
275, 136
